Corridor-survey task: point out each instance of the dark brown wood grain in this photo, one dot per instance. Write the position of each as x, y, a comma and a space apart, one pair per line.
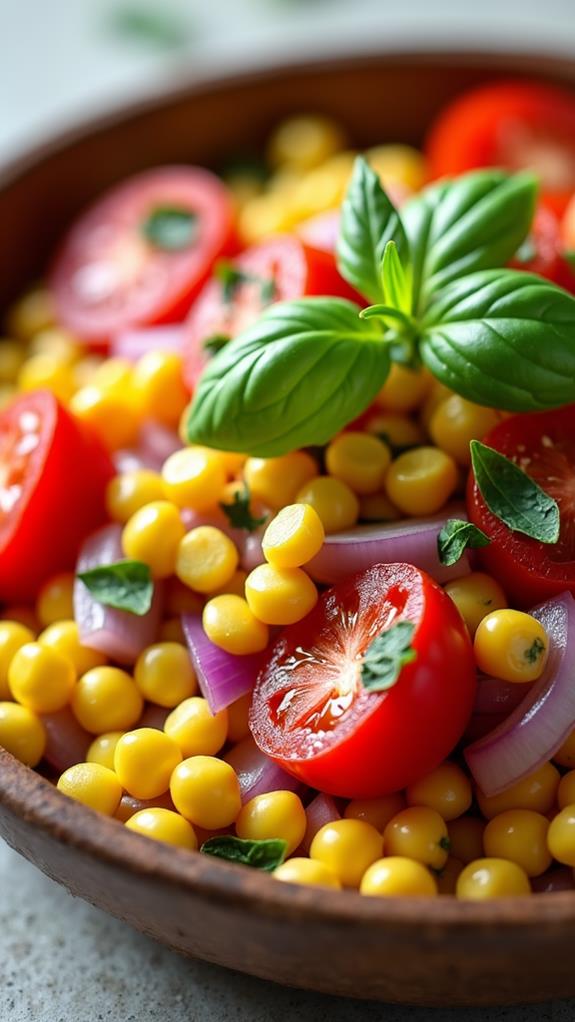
420, 952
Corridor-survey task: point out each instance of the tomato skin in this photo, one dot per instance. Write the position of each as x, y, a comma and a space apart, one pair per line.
296, 268
529, 572
512, 124
387, 740
130, 282
62, 501
547, 260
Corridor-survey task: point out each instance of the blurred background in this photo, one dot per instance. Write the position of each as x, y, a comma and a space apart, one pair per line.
60, 59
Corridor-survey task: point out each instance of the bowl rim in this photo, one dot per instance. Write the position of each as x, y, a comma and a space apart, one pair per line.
29, 796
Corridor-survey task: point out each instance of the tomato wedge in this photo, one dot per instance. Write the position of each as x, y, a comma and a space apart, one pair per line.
543, 251
513, 124
311, 714
543, 444
276, 270
53, 478
141, 254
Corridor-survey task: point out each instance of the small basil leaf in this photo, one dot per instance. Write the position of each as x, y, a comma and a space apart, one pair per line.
238, 512
368, 221
386, 656
293, 379
125, 585
475, 222
397, 279
570, 258
512, 496
171, 228
454, 538
503, 338
266, 855
215, 343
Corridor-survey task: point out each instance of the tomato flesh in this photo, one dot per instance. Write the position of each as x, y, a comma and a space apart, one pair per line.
281, 269
543, 445
544, 250
512, 124
108, 276
53, 478
311, 714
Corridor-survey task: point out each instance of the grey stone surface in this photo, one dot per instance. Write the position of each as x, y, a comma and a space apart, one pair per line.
64, 961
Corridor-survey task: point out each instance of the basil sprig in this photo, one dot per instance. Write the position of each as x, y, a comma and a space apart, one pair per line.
455, 537
386, 656
439, 296
124, 585
513, 496
266, 854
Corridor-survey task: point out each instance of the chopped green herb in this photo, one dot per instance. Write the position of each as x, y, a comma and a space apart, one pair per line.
454, 538
386, 656
513, 497
266, 855
239, 514
231, 278
171, 228
215, 343
535, 650
125, 585
445, 843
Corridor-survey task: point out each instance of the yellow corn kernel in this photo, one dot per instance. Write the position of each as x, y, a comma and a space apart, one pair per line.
12, 357
475, 596
348, 848
484, 879
280, 596
93, 785
456, 422
195, 729
40, 678
110, 415
102, 749
446, 789
144, 761
153, 535
263, 215
31, 313
309, 872
56, 599
537, 791
511, 645
405, 389
194, 477
324, 187
398, 165
230, 624
377, 811
164, 674
106, 699
293, 537
438, 393
58, 343
22, 733
305, 142
561, 836
164, 825
566, 790
358, 459
206, 791
418, 833
206, 559
397, 431
377, 507
519, 835
63, 636
158, 380
398, 877
85, 368
276, 481
274, 814
13, 636
128, 492
334, 502
421, 480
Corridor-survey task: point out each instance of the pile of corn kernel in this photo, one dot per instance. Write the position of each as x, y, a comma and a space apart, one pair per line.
150, 754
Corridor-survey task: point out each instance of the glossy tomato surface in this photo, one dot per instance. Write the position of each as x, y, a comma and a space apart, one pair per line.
311, 714
53, 478
543, 250
543, 445
110, 274
512, 124
280, 269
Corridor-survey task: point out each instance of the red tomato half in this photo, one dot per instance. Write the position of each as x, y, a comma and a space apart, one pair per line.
276, 270
53, 478
513, 124
110, 275
543, 444
311, 714
542, 252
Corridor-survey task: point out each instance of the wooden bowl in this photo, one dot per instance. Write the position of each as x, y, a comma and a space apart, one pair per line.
439, 952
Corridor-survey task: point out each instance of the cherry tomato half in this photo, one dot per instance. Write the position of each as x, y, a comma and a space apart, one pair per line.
311, 714
513, 124
543, 444
53, 477
142, 252
276, 270
542, 252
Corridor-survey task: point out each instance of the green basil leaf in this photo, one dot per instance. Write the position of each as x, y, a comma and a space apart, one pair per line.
513, 496
397, 279
171, 228
215, 343
266, 855
368, 221
239, 514
232, 278
475, 222
454, 538
125, 585
503, 338
293, 379
386, 656
570, 257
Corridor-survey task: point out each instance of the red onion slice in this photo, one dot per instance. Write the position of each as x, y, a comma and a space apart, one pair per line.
157, 442
132, 344
118, 634
496, 696
257, 773
222, 677
413, 541
66, 741
321, 810
534, 731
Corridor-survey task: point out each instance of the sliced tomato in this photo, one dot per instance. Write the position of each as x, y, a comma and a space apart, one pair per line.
142, 252
276, 270
543, 445
312, 715
543, 251
53, 478
513, 124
